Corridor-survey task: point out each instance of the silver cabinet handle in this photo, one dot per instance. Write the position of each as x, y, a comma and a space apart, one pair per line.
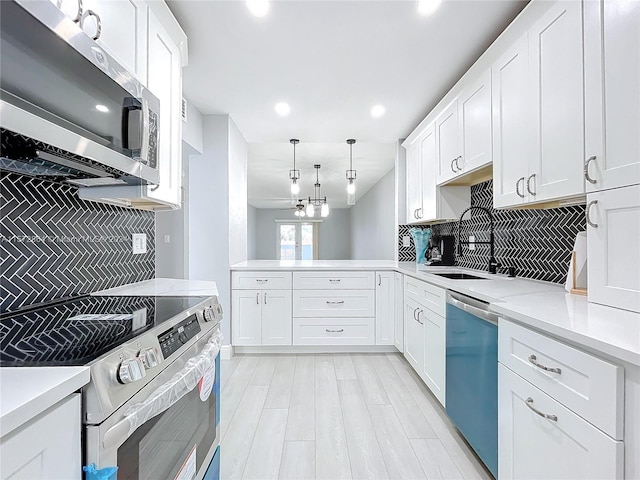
418, 318
452, 162
262, 280
414, 313
420, 213
334, 280
91, 13
531, 177
521, 179
529, 402
258, 298
339, 302
587, 177
334, 331
458, 167
379, 280
534, 360
265, 298
587, 213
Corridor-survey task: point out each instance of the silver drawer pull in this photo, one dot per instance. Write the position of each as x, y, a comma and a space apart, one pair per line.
334, 331
262, 280
335, 303
334, 280
533, 359
529, 402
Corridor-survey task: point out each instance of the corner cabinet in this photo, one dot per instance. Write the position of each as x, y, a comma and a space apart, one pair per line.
47, 447
612, 93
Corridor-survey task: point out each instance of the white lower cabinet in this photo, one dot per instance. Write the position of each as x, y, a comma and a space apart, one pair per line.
399, 312
539, 438
385, 308
333, 331
433, 372
261, 317
613, 230
413, 335
47, 447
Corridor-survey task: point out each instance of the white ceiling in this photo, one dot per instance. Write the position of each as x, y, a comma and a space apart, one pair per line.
331, 61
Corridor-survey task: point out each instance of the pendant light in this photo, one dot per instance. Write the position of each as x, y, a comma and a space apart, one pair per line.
351, 176
294, 175
317, 201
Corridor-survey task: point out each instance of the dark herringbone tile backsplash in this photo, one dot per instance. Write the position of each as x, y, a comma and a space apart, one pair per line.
54, 245
537, 242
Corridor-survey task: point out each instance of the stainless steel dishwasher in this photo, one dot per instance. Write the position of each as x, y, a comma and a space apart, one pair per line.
472, 374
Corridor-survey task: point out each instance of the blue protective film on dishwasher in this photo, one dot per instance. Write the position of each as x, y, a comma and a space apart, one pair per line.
92, 473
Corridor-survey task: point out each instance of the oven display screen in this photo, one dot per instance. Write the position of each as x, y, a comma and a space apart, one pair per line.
171, 340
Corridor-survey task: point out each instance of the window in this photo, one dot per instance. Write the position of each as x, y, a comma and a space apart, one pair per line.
297, 241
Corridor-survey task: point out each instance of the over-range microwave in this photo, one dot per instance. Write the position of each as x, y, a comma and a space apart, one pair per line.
68, 110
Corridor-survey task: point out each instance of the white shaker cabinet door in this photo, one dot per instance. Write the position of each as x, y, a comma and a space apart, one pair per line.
430, 200
474, 117
612, 93
123, 31
385, 308
556, 73
276, 317
447, 144
511, 124
613, 233
399, 311
566, 446
435, 339
414, 335
413, 182
246, 317
47, 447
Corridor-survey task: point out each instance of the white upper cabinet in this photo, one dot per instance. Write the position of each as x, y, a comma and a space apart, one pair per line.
447, 143
612, 92
429, 209
123, 32
511, 150
556, 73
165, 82
414, 182
474, 118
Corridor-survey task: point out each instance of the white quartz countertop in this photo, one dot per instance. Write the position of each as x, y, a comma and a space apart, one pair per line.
165, 287
541, 305
28, 391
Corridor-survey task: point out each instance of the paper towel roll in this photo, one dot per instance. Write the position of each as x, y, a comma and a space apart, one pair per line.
580, 267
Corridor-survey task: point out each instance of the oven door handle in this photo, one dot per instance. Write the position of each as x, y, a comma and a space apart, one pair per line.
166, 395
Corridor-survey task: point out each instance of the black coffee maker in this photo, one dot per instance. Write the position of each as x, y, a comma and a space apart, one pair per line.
441, 251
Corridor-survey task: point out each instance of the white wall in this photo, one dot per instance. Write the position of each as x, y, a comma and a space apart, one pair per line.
218, 208
252, 232
373, 222
334, 234
192, 128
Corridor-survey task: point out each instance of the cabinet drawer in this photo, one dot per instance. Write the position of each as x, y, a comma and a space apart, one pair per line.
334, 331
328, 303
334, 280
591, 387
532, 446
253, 280
430, 296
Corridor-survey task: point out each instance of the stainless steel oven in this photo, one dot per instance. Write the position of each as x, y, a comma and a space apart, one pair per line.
61, 89
170, 428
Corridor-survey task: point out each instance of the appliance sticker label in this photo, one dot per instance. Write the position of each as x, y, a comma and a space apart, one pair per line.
188, 469
205, 385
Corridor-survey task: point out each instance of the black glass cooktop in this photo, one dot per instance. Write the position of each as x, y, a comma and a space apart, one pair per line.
79, 330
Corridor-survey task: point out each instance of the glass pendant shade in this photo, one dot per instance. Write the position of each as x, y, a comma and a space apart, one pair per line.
324, 210
295, 188
351, 198
310, 210
351, 188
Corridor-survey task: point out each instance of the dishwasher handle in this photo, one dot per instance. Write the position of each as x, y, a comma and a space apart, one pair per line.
472, 306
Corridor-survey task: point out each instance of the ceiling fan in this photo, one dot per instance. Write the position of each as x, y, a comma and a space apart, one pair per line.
298, 208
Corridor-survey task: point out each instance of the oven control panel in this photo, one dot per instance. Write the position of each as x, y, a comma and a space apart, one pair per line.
178, 335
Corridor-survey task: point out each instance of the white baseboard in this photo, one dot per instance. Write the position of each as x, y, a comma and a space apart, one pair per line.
318, 349
226, 352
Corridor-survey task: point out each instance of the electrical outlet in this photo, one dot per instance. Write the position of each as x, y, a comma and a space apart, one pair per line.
139, 243
167, 239
406, 241
472, 246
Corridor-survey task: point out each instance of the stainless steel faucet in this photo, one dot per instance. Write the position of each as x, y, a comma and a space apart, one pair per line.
493, 264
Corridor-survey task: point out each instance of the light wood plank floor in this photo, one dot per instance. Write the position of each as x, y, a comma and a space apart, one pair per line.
364, 416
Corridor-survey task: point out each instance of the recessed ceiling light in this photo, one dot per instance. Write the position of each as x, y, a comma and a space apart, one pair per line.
427, 7
258, 8
102, 108
282, 109
377, 111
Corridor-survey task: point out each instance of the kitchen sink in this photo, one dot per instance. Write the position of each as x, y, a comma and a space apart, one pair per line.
459, 276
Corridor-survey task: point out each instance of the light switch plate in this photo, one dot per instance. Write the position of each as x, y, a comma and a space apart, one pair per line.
139, 243
406, 241
472, 246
